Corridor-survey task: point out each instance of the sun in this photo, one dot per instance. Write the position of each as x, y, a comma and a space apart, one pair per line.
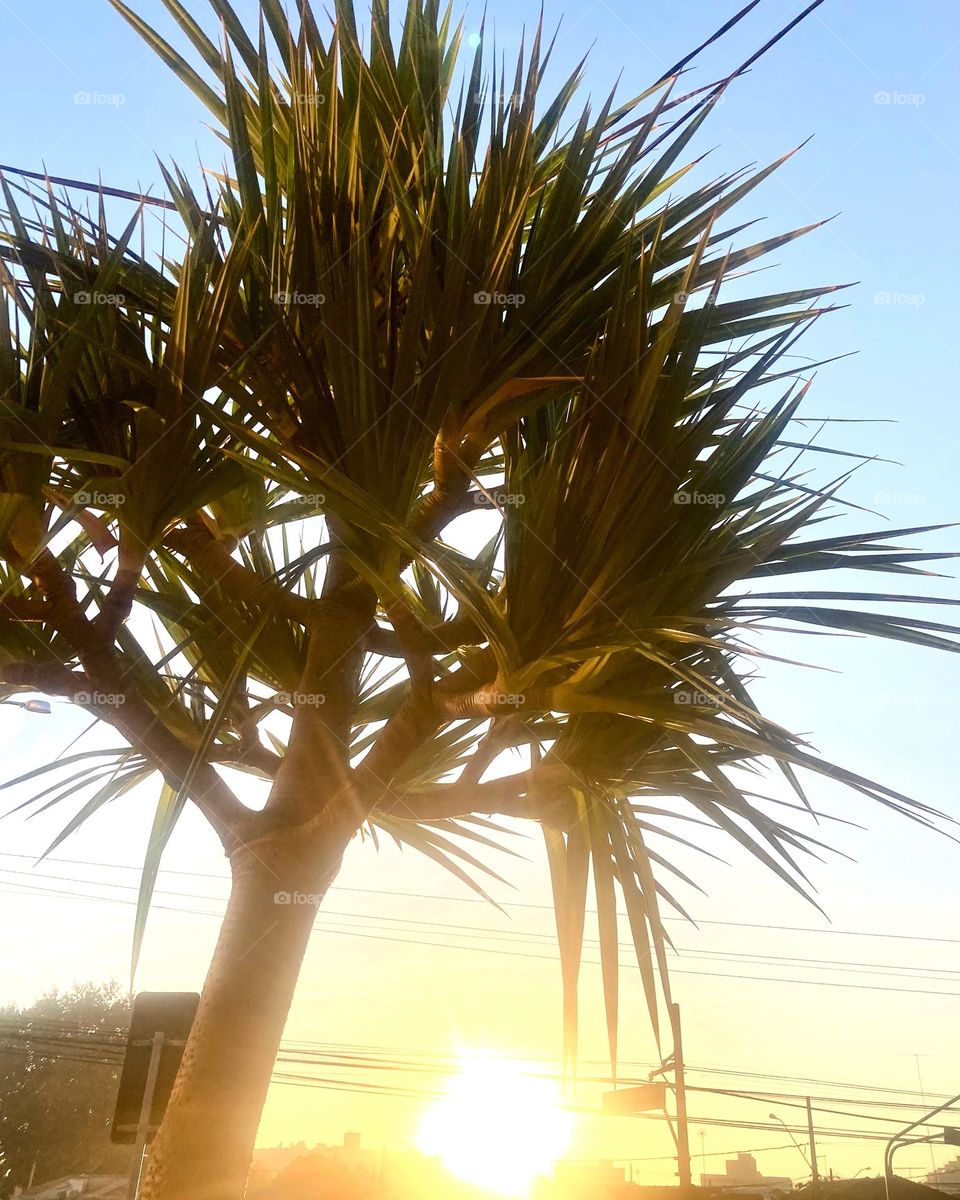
496, 1126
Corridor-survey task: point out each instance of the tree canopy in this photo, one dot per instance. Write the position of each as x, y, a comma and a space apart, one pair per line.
431, 437
58, 1085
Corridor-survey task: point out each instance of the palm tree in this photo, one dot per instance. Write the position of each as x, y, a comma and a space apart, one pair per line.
233, 474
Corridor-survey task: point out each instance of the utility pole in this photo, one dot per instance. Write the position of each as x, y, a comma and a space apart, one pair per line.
814, 1173
683, 1133
626, 1101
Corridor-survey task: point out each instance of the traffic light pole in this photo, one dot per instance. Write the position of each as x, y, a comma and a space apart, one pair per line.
146, 1110
683, 1132
900, 1139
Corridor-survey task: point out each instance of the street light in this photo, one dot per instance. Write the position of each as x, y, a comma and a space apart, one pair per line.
34, 706
774, 1117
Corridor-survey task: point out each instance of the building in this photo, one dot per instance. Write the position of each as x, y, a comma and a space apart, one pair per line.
946, 1178
742, 1175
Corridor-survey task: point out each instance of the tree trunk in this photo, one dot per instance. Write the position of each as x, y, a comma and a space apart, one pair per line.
205, 1144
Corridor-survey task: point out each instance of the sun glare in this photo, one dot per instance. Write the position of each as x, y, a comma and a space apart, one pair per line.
497, 1126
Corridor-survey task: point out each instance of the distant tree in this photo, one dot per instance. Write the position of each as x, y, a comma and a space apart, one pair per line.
59, 1064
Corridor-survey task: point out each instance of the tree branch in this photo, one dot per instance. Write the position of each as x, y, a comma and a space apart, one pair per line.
54, 679
491, 701
201, 549
248, 754
318, 750
118, 602
27, 609
539, 794
453, 467
125, 709
417, 638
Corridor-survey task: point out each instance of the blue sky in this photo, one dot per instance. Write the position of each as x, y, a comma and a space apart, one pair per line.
877, 85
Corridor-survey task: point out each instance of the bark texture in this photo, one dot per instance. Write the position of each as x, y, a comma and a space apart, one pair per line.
204, 1147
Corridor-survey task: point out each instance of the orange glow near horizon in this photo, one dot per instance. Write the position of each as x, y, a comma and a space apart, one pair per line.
497, 1126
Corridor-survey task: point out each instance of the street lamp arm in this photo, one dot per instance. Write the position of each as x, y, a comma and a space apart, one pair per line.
792, 1138
925, 1118
899, 1139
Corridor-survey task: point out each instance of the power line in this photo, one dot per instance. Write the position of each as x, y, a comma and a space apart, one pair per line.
893, 970
511, 934
867, 933
797, 1102
346, 1056
20, 888
804, 1080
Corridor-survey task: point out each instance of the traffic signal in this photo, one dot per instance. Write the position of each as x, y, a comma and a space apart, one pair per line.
169, 1015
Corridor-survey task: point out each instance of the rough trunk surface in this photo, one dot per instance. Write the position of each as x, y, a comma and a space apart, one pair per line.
205, 1144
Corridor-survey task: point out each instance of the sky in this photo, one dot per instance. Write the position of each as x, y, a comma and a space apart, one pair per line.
877, 87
